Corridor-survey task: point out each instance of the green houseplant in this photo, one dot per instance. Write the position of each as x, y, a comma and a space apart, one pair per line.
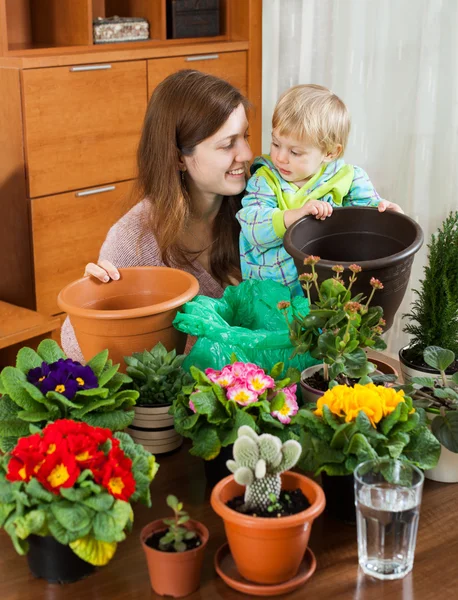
337, 330
440, 400
433, 318
211, 409
45, 386
66, 494
266, 550
349, 425
174, 549
158, 377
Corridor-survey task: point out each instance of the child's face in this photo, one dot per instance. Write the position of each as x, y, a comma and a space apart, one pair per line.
296, 160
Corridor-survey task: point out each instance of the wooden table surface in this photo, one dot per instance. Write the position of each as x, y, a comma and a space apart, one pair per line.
435, 573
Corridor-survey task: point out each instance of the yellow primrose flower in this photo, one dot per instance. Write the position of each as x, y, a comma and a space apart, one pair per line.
335, 399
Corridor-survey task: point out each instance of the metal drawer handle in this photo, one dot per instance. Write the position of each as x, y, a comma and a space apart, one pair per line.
202, 57
90, 68
108, 188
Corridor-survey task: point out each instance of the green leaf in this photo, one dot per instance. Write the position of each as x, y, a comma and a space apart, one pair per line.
98, 391
6, 509
389, 421
424, 381
106, 530
396, 443
50, 351
446, 393
423, 449
36, 491
90, 407
121, 513
116, 421
206, 443
172, 501
31, 523
310, 422
35, 417
61, 399
93, 551
207, 404
277, 370
329, 418
278, 402
70, 515
445, 428
12, 379
107, 375
98, 362
438, 358
75, 495
27, 359
361, 447
241, 418
343, 435
102, 502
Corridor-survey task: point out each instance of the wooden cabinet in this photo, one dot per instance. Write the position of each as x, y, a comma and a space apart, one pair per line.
68, 230
82, 124
231, 66
71, 113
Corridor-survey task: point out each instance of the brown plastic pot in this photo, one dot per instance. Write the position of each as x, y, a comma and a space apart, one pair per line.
383, 244
174, 574
128, 315
268, 551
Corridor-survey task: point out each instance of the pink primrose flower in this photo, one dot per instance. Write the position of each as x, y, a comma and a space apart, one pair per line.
290, 406
241, 394
258, 381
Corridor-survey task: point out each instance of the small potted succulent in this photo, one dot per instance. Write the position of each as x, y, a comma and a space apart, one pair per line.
174, 550
349, 425
45, 386
433, 318
66, 494
336, 331
158, 377
211, 409
440, 400
267, 545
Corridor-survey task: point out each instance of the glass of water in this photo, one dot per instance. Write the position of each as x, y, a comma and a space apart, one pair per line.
388, 497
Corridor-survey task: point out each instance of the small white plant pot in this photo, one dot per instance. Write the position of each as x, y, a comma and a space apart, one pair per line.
446, 470
153, 428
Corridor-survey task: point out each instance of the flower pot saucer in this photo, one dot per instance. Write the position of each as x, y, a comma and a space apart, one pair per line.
226, 569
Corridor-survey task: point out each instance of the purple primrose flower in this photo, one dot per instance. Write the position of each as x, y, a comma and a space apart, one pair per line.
64, 376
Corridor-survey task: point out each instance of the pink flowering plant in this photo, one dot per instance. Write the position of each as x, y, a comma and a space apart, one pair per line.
212, 408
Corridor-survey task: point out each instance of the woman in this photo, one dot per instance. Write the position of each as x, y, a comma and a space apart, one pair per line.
192, 161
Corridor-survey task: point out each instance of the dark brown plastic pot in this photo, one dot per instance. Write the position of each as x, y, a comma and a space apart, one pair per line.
174, 574
128, 315
383, 244
50, 560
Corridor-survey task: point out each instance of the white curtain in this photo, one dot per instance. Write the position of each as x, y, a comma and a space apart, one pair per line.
395, 64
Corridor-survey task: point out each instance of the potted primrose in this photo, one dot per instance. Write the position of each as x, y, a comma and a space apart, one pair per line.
433, 319
66, 495
211, 409
45, 386
439, 397
337, 330
267, 510
158, 377
174, 550
349, 425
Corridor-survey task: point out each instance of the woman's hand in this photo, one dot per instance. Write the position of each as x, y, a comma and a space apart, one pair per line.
386, 205
103, 271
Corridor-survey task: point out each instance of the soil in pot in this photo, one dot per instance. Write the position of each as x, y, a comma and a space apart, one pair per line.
414, 360
317, 381
290, 503
153, 542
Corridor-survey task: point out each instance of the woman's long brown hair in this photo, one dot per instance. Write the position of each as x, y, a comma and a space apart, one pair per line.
185, 109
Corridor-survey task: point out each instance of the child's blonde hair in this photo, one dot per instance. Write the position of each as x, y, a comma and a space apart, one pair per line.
313, 113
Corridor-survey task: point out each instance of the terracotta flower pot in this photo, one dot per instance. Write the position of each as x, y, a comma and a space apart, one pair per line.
174, 574
128, 315
268, 551
383, 244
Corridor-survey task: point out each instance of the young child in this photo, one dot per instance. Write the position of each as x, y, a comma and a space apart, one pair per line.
305, 174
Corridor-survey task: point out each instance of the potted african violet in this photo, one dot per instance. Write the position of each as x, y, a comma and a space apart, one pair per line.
439, 397
349, 425
268, 511
337, 330
433, 318
383, 244
66, 495
174, 550
158, 377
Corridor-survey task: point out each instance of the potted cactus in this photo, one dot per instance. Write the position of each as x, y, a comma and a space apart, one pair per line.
158, 377
174, 550
266, 550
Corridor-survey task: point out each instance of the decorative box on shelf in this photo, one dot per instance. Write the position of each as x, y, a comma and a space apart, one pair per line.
193, 18
120, 29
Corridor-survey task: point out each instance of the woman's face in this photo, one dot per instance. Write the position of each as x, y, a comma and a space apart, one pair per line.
217, 165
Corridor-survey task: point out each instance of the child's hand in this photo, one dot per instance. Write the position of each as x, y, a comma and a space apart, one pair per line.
386, 205
318, 208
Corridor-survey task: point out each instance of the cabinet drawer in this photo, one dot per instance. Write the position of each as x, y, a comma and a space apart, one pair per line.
82, 126
68, 231
231, 66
